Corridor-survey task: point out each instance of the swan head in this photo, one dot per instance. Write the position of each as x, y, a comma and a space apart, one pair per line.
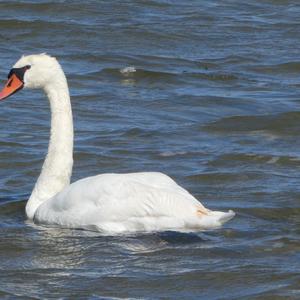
31, 71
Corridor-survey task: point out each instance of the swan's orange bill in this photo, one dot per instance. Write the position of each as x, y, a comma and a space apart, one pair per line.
12, 85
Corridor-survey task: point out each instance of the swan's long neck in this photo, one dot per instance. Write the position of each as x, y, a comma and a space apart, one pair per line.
57, 167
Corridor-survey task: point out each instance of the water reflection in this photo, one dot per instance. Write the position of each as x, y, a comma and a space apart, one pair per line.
59, 249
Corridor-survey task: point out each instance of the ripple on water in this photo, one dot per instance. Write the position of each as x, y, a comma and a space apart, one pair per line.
286, 123
208, 94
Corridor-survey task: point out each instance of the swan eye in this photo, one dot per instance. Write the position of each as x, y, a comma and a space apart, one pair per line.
19, 72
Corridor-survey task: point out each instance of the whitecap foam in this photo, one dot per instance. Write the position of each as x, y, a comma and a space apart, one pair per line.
128, 70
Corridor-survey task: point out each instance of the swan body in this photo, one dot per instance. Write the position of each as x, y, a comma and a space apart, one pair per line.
113, 203
127, 202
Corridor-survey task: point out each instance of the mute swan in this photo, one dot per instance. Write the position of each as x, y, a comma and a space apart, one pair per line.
111, 203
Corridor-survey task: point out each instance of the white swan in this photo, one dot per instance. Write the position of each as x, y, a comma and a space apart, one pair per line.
110, 203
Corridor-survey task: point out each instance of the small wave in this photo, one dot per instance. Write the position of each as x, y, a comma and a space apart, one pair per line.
255, 158
140, 73
139, 132
225, 176
158, 76
273, 213
287, 123
170, 153
291, 67
128, 70
215, 76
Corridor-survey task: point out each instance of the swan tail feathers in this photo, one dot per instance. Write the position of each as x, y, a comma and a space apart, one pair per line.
214, 219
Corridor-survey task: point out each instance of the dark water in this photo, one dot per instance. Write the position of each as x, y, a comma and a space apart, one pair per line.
210, 96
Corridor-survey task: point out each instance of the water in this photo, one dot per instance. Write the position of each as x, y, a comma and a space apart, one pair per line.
205, 91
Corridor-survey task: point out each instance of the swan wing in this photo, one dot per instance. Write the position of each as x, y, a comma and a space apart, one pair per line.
123, 202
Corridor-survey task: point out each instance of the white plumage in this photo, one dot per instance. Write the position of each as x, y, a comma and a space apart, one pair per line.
110, 203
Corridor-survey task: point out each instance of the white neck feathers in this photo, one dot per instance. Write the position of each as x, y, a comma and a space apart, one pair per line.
57, 167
